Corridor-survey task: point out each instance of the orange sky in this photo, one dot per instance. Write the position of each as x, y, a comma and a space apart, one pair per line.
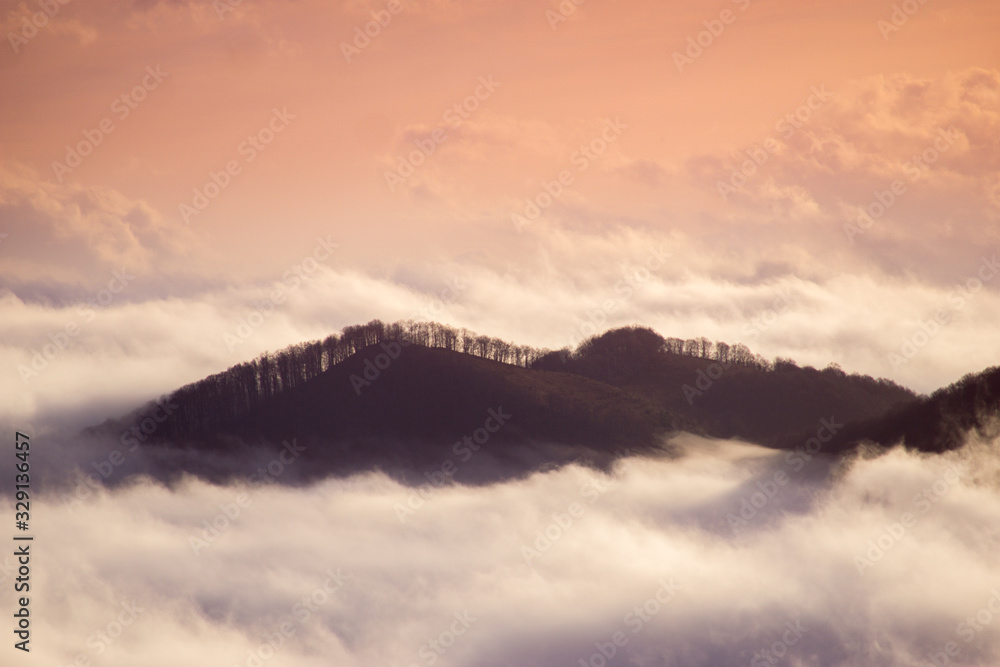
343, 125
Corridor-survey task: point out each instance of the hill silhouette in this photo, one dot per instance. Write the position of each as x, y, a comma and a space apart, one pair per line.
935, 423
731, 393
407, 396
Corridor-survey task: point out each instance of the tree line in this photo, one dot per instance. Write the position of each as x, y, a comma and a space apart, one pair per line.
224, 397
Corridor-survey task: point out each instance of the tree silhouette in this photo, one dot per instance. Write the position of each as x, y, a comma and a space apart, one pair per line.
613, 356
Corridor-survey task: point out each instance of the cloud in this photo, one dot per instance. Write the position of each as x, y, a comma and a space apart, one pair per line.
76, 236
869, 178
26, 22
541, 571
152, 337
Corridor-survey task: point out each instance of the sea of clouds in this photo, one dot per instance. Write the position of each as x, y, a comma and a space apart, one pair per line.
719, 553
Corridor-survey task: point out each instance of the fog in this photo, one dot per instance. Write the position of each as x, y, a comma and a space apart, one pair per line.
570, 285
710, 556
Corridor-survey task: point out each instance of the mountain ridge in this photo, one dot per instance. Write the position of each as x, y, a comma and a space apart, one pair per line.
401, 396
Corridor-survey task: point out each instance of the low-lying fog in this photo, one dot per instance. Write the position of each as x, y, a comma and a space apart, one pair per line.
728, 554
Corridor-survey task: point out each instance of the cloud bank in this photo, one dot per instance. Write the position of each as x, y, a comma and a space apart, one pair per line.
726, 555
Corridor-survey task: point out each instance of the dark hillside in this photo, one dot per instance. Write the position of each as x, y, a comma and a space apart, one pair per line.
938, 422
404, 396
729, 392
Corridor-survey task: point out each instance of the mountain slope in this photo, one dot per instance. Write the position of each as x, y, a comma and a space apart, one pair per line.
938, 422
420, 409
748, 399
375, 398
433, 393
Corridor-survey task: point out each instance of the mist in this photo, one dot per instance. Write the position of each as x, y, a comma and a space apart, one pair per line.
721, 553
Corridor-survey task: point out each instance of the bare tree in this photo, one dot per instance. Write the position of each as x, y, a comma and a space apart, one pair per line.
482, 346
722, 352
691, 347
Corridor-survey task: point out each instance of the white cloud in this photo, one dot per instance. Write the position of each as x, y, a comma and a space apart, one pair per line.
795, 561
139, 346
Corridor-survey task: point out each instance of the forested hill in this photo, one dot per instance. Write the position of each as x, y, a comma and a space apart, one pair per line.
939, 422
430, 382
727, 390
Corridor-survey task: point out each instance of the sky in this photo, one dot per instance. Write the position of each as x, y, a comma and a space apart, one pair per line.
185, 184
818, 181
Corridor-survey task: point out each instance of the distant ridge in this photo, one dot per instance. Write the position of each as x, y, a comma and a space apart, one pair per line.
939, 422
402, 395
